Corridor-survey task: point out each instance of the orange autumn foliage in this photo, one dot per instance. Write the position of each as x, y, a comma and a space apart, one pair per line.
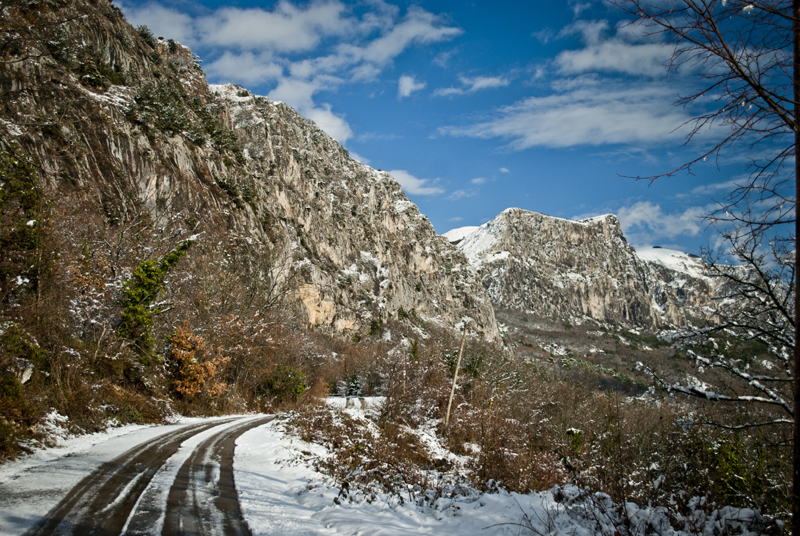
192, 375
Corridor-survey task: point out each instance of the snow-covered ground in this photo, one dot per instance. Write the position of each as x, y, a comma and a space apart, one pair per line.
33, 485
280, 493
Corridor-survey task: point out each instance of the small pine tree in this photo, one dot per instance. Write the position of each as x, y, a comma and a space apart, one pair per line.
139, 295
354, 386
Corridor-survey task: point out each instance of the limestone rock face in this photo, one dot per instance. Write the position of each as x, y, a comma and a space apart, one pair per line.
143, 128
368, 250
580, 269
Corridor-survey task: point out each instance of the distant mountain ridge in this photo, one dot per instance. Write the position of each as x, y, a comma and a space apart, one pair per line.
569, 269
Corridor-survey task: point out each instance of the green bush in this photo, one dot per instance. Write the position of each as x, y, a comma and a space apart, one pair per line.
147, 36
285, 384
165, 107
161, 105
376, 326
18, 343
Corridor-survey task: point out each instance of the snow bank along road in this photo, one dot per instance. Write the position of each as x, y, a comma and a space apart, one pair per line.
175, 480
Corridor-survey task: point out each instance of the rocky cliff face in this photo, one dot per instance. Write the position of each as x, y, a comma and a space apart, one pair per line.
369, 250
580, 269
113, 117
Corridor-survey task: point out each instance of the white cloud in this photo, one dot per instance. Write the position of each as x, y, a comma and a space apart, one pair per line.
418, 27
162, 21
504, 170
378, 136
407, 85
615, 56
629, 51
245, 68
458, 194
359, 158
609, 91
478, 180
544, 36
591, 31
646, 223
727, 186
299, 93
334, 125
579, 6
457, 219
447, 91
287, 28
484, 82
413, 185
584, 116
443, 58
257, 45
473, 84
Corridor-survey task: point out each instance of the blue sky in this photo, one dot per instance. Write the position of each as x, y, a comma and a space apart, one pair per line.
477, 107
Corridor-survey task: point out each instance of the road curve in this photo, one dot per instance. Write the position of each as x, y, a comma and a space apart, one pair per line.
115, 498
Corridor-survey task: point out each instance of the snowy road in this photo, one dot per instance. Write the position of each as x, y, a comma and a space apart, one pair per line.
183, 476
179, 479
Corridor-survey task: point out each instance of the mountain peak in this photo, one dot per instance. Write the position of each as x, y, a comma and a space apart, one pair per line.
563, 268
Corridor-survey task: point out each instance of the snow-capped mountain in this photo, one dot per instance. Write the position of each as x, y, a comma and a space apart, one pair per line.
575, 269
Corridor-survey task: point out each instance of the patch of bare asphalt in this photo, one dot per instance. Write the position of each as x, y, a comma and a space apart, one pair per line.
102, 502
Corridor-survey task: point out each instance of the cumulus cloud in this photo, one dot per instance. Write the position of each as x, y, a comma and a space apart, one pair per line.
418, 27
504, 170
407, 85
628, 51
413, 185
334, 125
615, 57
288, 28
259, 46
162, 21
473, 84
646, 223
478, 180
245, 68
590, 31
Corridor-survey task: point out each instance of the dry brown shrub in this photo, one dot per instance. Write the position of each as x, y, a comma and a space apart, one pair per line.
366, 459
194, 368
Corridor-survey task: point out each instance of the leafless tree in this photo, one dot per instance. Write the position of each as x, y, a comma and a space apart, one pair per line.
745, 54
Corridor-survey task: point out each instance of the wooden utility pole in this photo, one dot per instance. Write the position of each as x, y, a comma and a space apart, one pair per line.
455, 378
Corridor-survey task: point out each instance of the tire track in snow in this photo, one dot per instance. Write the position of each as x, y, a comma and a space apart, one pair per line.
102, 502
203, 500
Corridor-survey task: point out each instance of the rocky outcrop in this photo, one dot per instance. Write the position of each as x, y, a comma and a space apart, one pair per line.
369, 250
580, 269
133, 123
